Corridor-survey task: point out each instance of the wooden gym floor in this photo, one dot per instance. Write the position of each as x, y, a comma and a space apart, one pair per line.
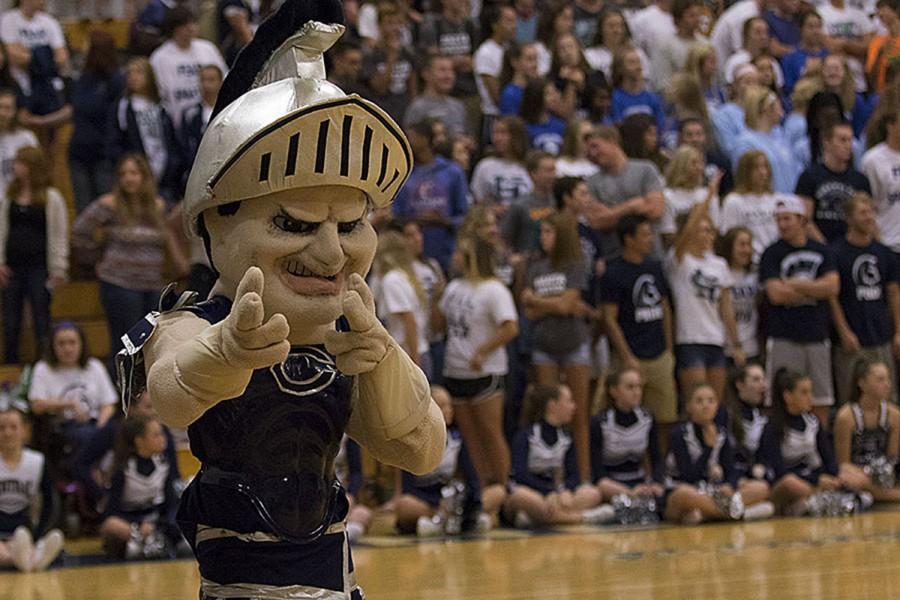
841, 558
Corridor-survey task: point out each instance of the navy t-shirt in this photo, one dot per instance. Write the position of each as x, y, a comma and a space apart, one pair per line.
830, 191
803, 323
638, 291
865, 273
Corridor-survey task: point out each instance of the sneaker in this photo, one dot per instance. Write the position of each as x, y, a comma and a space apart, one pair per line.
355, 531
599, 515
484, 523
46, 550
760, 511
523, 521
21, 548
692, 517
429, 527
736, 506
134, 548
155, 546
866, 500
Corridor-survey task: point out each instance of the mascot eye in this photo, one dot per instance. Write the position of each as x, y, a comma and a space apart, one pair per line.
287, 223
348, 226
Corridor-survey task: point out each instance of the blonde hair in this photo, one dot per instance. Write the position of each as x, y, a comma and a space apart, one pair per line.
743, 177
803, 92
756, 100
847, 91
677, 172
697, 54
685, 90
393, 255
38, 175
478, 258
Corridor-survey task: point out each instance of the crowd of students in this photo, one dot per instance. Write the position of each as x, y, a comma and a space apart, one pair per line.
646, 252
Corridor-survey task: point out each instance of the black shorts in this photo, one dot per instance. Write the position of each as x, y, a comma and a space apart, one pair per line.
474, 391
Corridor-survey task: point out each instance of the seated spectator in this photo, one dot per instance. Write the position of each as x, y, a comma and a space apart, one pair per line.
866, 312
736, 247
630, 95
499, 33
346, 68
755, 44
141, 125
502, 178
556, 19
435, 101
728, 119
389, 67
572, 160
123, 234
624, 186
885, 48
684, 189
880, 164
671, 53
94, 95
702, 64
139, 518
828, 184
613, 35
866, 430
34, 248
784, 28
519, 67
807, 58
752, 203
545, 129
26, 481
12, 136
454, 33
640, 140
521, 226
694, 132
762, 116
237, 22
434, 196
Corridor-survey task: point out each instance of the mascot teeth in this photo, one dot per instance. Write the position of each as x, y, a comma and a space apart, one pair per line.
298, 269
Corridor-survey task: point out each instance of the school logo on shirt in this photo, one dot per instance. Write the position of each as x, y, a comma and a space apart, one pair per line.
867, 278
705, 286
551, 284
804, 264
647, 300
305, 372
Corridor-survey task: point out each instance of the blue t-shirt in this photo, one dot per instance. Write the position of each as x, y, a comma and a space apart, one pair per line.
803, 323
547, 136
638, 291
792, 65
786, 31
625, 104
786, 167
865, 273
511, 99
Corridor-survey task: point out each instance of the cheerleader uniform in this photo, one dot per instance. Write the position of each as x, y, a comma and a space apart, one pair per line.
753, 423
803, 449
619, 444
19, 487
691, 461
869, 444
427, 488
144, 490
543, 459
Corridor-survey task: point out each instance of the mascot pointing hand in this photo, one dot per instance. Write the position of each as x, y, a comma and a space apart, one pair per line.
286, 355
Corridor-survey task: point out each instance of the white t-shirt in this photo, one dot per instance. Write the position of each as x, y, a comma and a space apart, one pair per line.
545, 59
428, 277
91, 385
10, 143
579, 167
697, 284
847, 23
474, 311
744, 291
150, 124
500, 180
649, 26
881, 165
178, 74
600, 59
40, 30
728, 33
680, 201
742, 57
488, 61
396, 295
756, 212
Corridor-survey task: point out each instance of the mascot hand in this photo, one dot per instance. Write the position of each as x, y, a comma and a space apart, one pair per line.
366, 344
218, 363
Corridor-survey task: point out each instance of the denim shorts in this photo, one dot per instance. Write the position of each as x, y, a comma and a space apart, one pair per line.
580, 356
699, 356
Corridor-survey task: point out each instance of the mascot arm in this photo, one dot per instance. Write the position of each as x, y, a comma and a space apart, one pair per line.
192, 365
394, 416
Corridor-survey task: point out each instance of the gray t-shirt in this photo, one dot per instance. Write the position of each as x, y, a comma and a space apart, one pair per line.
637, 178
557, 335
449, 110
521, 226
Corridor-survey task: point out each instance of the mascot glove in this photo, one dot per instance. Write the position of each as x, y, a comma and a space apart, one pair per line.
217, 364
362, 348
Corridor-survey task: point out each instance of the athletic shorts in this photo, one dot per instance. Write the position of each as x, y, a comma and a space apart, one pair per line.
699, 356
580, 356
811, 359
474, 391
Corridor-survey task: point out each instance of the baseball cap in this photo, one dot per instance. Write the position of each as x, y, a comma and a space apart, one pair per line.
790, 205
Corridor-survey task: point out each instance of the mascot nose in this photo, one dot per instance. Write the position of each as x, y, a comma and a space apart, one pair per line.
326, 247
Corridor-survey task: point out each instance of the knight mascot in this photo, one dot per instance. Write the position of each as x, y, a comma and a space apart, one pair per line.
286, 355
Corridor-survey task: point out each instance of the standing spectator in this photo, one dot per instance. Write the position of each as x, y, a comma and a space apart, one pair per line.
755, 44
346, 67
630, 94
555, 20
545, 129
795, 126
867, 309
196, 117
552, 301
826, 186
147, 32
736, 247
762, 115
455, 34
502, 178
12, 136
651, 25
671, 53
685, 189
684, 100
526, 21
728, 119
586, 16
838, 79
435, 102
572, 160
573, 198
480, 318
784, 27
752, 203
728, 33
141, 125
883, 49
500, 31
612, 36
799, 276
520, 65
434, 196
704, 314
637, 313
237, 23
389, 68
93, 96
694, 132
573, 76
522, 223
702, 63
176, 64
881, 164
807, 58
123, 234
849, 32
624, 186
34, 247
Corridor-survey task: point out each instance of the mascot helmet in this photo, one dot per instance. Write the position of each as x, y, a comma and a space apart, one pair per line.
278, 124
